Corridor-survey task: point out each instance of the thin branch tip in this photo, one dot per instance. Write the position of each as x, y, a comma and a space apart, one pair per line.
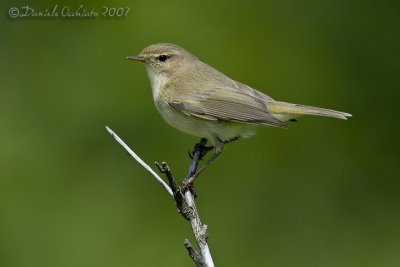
141, 162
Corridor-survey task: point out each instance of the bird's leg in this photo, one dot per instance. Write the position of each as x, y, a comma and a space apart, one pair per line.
199, 151
202, 149
219, 147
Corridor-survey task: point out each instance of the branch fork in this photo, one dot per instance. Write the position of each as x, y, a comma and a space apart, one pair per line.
184, 197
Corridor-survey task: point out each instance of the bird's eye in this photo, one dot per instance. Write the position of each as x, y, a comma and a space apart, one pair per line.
162, 58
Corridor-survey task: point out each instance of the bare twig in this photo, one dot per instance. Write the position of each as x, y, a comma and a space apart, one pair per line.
164, 168
141, 162
200, 230
186, 206
196, 257
184, 200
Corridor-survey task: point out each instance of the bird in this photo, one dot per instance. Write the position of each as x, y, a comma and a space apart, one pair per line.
199, 100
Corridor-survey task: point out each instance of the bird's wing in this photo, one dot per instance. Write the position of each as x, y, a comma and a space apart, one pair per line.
238, 103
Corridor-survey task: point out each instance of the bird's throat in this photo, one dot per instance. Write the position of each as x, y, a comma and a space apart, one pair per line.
157, 81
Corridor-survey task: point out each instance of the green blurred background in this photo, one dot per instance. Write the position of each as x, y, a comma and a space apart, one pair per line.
324, 192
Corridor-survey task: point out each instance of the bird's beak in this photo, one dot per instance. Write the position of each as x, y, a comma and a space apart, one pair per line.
136, 58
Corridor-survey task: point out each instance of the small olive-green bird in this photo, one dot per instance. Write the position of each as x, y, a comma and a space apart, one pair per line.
201, 101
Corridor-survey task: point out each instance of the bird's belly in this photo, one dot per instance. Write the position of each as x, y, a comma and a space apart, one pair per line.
199, 127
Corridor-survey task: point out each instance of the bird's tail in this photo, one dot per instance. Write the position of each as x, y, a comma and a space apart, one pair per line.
285, 111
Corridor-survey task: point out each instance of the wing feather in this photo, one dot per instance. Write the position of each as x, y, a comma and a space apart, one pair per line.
238, 103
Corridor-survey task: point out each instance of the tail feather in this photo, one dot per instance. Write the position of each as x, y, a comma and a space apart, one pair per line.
285, 111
